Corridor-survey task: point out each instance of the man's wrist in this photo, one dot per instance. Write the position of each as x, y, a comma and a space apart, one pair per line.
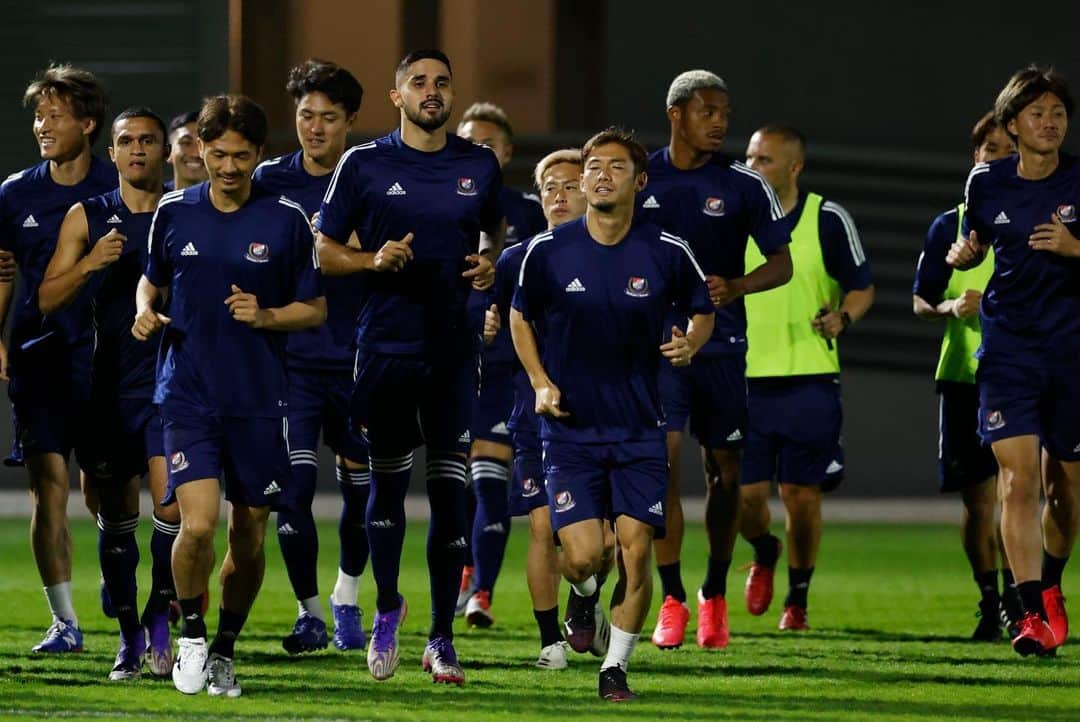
846, 320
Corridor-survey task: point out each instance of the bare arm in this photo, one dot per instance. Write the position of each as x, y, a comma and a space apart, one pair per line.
71, 266
776, 271
338, 259
7, 288
855, 304
148, 321
294, 316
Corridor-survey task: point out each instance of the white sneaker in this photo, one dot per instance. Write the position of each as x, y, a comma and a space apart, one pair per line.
189, 669
221, 677
603, 633
553, 656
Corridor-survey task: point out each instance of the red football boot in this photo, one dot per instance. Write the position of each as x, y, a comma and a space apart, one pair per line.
1035, 636
1054, 603
794, 619
671, 624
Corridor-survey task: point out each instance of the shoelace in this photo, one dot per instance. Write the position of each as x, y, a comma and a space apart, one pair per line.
220, 674
55, 631
382, 634
444, 652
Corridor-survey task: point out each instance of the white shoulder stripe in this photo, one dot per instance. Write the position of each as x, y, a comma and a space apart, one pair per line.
166, 199
979, 168
854, 243
676, 241
776, 211
341, 163
538, 239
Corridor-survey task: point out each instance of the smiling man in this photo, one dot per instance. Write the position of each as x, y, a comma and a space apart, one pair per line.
595, 295
187, 165
49, 365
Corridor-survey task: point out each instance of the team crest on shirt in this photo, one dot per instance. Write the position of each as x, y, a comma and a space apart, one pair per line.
258, 252
466, 187
178, 462
637, 287
529, 488
1067, 213
994, 421
713, 207
564, 501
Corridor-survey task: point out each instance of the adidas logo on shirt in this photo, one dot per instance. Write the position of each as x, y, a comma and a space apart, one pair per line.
29, 222
657, 508
189, 250
735, 435
272, 489
395, 190
114, 219
575, 286
1001, 219
651, 202
500, 428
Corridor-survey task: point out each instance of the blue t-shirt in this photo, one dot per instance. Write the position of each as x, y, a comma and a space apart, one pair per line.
716, 208
523, 417
1031, 306
329, 346
932, 273
383, 190
32, 207
601, 313
211, 363
123, 366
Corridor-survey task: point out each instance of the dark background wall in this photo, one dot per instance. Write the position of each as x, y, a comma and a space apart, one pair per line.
886, 93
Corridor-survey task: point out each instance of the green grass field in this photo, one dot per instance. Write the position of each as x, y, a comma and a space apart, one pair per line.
891, 608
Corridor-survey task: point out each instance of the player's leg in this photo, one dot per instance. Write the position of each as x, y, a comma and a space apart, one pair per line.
803, 526
384, 406
296, 533
490, 465
670, 630
758, 471
467, 586
166, 527
978, 530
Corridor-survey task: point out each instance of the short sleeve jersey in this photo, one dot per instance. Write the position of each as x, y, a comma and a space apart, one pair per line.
210, 363
845, 259
32, 207
329, 346
123, 366
384, 190
932, 273
1031, 307
715, 208
600, 313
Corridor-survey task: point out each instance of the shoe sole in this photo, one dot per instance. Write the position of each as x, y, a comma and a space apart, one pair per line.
303, 648
231, 693
448, 679
124, 676
57, 651
479, 620
1026, 647
667, 646
343, 647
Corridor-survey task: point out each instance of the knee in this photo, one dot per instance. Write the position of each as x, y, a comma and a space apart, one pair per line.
1019, 487
800, 498
198, 529
722, 469
578, 566
169, 514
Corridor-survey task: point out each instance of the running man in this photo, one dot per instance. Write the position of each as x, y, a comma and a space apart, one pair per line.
327, 98
965, 465
588, 323
188, 168
424, 205
238, 268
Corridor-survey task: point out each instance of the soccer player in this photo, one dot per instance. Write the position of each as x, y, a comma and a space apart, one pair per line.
714, 203
793, 372
492, 451
102, 246
599, 291
422, 203
964, 464
49, 362
327, 99
188, 168
558, 179
1024, 207
238, 266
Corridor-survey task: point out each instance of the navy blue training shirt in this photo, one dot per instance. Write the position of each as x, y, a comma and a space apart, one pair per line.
329, 346
384, 190
1031, 307
122, 364
716, 208
841, 248
32, 207
932, 273
601, 313
211, 363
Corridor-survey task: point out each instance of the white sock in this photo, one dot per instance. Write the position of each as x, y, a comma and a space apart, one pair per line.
312, 607
586, 588
619, 649
347, 589
60, 604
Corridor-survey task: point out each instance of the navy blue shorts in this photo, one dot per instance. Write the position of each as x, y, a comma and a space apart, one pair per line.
249, 456
123, 435
607, 480
963, 460
494, 404
1025, 400
794, 433
711, 393
527, 490
401, 403
319, 400
50, 397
